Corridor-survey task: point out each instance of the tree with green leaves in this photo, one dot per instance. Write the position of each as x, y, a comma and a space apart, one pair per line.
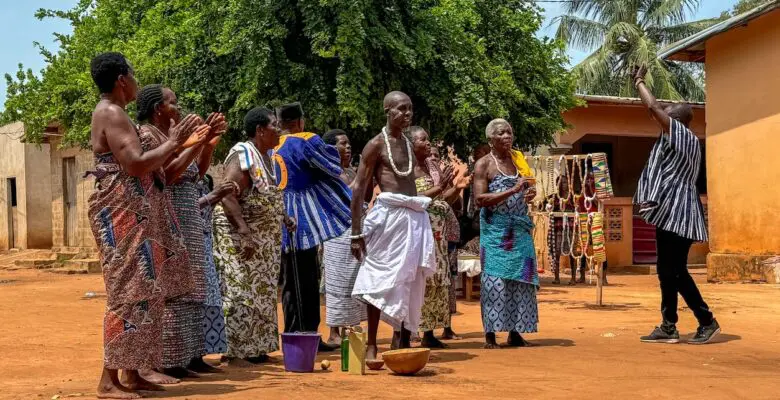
463, 62
624, 34
743, 6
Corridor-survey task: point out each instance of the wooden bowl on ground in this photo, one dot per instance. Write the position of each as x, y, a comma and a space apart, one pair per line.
406, 361
375, 365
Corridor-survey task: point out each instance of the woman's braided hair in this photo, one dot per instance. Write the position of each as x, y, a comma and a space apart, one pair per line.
147, 100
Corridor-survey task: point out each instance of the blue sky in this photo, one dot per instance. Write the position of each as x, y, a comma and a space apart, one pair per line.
20, 29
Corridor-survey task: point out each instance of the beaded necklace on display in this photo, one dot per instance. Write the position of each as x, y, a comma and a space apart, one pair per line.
549, 175
564, 170
587, 172
565, 247
575, 239
538, 172
549, 183
575, 169
390, 154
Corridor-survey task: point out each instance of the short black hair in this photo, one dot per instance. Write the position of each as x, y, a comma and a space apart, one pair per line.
106, 68
683, 113
414, 129
331, 137
147, 100
258, 116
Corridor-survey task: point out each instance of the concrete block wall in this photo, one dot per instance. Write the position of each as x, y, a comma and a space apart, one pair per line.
85, 188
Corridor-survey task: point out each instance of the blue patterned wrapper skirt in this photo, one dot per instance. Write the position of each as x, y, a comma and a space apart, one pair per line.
508, 305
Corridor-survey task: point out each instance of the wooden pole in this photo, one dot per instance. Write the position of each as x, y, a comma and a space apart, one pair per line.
599, 284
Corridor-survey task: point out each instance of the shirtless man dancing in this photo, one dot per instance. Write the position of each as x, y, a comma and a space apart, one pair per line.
396, 246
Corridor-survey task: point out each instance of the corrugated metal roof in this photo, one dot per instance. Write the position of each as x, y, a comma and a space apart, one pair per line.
692, 47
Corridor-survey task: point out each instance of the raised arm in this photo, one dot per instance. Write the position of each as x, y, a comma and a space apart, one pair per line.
122, 139
177, 165
218, 126
656, 109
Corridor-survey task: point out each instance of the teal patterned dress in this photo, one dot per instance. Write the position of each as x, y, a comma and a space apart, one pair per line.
509, 276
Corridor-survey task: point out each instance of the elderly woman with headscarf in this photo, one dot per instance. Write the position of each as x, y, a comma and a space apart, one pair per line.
502, 188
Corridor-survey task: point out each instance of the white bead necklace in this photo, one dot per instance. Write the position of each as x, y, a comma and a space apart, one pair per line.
517, 172
390, 154
269, 176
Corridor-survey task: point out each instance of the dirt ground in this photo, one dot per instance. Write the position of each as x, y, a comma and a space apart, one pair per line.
51, 335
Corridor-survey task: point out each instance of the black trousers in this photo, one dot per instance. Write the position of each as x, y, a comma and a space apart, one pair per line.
301, 314
674, 278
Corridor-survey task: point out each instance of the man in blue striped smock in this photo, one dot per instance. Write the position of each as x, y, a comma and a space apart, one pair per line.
309, 173
668, 198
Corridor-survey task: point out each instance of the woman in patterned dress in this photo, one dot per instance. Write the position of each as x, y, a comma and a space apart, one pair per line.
214, 321
509, 275
436, 307
247, 242
183, 340
435, 165
132, 220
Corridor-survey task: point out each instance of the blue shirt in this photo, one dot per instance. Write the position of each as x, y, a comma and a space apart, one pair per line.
309, 170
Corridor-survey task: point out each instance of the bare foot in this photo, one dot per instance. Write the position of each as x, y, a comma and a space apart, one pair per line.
335, 337
262, 358
134, 381
490, 341
516, 340
113, 392
153, 376
109, 387
180, 372
198, 365
238, 362
371, 352
431, 342
449, 334
395, 344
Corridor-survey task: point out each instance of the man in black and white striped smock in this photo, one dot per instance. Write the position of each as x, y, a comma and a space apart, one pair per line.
668, 198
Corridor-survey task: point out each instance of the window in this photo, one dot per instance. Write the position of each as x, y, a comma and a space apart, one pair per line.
12, 189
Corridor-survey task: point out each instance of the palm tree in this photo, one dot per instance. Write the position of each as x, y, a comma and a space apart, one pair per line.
621, 34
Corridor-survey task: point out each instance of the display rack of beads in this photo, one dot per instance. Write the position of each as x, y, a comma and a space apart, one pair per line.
580, 230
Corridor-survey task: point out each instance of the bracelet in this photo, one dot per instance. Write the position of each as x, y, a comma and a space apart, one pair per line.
355, 237
638, 81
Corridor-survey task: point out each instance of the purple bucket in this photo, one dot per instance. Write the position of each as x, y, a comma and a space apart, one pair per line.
300, 351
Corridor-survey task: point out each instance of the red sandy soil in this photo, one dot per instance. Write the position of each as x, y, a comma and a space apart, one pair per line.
51, 337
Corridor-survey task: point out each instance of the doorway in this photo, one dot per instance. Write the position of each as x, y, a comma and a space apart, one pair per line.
69, 198
13, 222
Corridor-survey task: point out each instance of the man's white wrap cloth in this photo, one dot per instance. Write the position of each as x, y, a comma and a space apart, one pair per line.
399, 257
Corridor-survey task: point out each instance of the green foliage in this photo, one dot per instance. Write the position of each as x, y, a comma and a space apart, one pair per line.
742, 6
462, 61
623, 34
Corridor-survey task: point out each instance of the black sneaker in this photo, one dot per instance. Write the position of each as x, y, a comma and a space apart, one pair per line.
705, 334
662, 335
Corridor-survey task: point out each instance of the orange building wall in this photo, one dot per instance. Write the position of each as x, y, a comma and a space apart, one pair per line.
618, 120
743, 157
